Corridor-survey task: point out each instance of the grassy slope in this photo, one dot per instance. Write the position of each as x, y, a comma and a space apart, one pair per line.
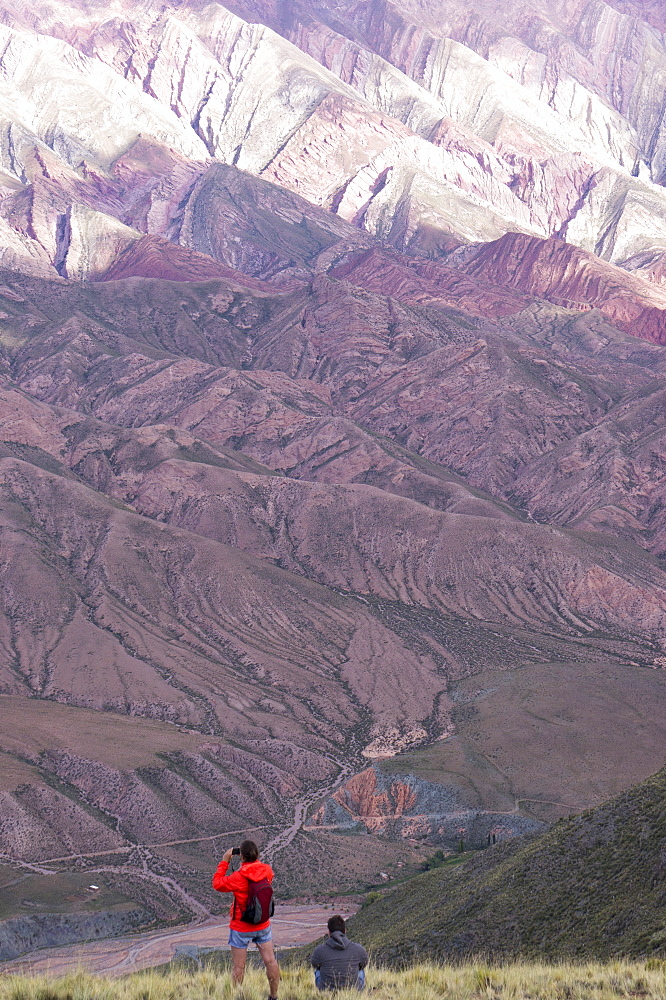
67, 892
593, 885
549, 739
117, 740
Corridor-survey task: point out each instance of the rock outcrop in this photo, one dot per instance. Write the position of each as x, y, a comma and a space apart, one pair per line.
408, 807
534, 86
532, 897
51, 930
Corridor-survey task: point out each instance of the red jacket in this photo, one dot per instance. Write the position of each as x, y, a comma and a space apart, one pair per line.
237, 883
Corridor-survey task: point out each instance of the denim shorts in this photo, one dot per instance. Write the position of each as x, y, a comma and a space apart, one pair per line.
241, 939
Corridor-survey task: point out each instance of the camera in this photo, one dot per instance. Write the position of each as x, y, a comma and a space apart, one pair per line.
235, 851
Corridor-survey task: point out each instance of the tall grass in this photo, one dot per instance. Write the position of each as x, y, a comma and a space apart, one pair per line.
475, 981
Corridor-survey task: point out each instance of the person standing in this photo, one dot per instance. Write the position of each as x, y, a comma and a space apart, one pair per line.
250, 885
339, 963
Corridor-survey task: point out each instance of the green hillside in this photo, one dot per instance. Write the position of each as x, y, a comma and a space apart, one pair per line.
593, 885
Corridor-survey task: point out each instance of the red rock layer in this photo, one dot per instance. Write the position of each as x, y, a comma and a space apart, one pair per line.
361, 797
569, 277
427, 283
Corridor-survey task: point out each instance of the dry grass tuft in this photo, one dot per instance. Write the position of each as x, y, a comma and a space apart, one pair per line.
474, 981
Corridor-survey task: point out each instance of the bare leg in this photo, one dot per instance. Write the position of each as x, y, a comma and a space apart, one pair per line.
272, 967
238, 959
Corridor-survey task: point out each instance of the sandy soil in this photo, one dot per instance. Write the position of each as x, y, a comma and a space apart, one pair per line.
293, 925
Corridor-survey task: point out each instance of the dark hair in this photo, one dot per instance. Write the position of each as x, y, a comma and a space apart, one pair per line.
336, 923
249, 851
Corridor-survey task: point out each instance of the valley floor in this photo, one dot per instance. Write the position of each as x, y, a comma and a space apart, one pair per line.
472, 981
294, 925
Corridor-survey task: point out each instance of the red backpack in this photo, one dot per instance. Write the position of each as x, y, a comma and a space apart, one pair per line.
260, 906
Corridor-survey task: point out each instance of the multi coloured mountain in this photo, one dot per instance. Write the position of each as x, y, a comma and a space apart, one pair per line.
332, 377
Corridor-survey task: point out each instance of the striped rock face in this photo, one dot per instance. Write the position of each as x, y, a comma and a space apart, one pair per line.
420, 125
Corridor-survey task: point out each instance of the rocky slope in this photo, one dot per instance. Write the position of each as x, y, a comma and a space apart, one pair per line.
562, 274
299, 426
419, 126
532, 92
26, 934
155, 569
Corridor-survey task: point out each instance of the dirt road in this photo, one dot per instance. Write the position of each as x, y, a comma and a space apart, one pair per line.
284, 837
292, 925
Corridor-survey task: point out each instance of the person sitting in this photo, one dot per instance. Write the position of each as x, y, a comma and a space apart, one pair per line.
339, 963
240, 932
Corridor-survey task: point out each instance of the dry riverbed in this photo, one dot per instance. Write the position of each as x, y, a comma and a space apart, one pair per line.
294, 924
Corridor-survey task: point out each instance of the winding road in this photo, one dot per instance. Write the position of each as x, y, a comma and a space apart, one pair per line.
284, 838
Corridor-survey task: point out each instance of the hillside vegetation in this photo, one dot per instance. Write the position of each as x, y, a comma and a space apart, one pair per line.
593, 885
423, 982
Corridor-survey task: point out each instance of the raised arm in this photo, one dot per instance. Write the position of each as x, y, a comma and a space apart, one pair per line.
228, 883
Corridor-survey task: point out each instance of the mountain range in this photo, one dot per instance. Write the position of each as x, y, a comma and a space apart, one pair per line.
331, 389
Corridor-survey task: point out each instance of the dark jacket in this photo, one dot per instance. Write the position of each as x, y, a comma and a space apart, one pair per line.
339, 960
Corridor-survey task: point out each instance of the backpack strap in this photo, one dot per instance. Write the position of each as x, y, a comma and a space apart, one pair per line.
234, 914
